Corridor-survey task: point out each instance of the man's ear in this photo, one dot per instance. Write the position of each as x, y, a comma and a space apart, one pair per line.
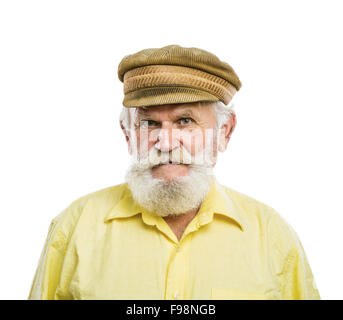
127, 136
226, 131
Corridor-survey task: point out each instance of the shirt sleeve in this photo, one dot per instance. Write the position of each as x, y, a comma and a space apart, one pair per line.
291, 264
47, 275
297, 279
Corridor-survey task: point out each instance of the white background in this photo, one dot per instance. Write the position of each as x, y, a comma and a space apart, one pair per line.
60, 101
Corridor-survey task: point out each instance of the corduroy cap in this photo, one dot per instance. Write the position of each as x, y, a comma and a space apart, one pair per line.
174, 74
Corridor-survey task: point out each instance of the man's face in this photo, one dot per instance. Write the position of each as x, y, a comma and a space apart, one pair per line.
168, 128
174, 148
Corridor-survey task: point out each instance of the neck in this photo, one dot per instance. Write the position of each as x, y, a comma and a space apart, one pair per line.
178, 223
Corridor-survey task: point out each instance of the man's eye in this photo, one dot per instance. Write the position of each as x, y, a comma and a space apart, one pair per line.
149, 123
185, 121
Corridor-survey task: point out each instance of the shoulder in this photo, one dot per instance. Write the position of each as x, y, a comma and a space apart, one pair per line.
267, 226
265, 220
97, 204
252, 209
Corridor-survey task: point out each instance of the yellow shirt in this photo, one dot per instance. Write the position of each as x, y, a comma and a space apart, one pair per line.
105, 246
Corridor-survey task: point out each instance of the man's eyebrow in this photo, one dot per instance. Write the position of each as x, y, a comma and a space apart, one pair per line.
143, 110
186, 113
143, 113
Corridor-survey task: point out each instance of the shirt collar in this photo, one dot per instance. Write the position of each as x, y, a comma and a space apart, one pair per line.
217, 201
126, 206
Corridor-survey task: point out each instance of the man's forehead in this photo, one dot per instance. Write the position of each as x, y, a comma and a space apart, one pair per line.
185, 108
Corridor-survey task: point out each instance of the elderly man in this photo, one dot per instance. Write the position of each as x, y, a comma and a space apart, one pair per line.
172, 231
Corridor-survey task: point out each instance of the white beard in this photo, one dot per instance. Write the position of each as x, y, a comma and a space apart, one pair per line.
164, 198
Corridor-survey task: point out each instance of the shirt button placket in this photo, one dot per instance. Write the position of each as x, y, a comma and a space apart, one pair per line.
177, 272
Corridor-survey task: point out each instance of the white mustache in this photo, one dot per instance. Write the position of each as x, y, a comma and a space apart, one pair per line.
179, 155
156, 157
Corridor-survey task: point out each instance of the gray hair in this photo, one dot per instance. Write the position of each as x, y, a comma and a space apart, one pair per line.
222, 111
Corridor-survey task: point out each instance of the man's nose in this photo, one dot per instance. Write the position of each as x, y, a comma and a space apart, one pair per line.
167, 139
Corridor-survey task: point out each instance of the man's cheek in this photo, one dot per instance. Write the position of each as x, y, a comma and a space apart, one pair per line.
153, 135
193, 141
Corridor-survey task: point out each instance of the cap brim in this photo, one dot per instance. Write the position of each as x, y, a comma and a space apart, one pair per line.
165, 95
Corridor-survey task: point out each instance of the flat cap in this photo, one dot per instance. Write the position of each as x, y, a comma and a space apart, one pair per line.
174, 74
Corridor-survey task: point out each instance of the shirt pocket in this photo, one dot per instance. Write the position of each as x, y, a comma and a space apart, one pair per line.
228, 294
